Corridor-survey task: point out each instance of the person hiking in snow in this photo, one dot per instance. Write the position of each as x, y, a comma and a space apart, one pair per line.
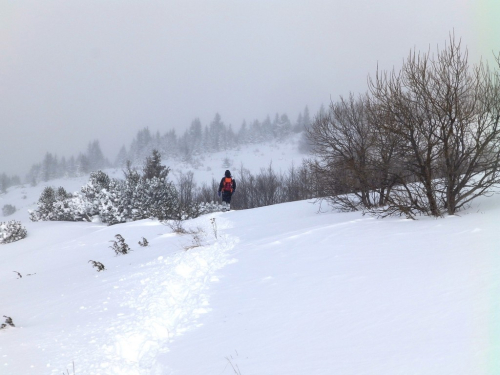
227, 187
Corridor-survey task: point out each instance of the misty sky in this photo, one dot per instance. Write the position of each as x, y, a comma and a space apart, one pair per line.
75, 71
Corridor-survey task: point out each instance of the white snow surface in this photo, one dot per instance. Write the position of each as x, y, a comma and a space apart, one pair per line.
287, 289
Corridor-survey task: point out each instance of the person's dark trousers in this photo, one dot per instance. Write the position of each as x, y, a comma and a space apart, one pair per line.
226, 197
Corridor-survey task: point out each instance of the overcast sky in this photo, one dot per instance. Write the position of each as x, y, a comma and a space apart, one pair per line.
75, 71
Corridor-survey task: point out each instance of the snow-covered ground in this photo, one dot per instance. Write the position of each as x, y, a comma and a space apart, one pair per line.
284, 289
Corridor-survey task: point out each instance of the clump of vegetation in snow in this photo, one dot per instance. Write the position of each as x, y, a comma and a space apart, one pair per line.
120, 246
197, 239
100, 267
58, 205
12, 231
8, 322
144, 242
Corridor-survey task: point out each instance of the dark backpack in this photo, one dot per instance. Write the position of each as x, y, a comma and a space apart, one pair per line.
228, 184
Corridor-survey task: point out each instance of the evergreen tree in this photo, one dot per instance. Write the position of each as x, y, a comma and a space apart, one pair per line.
155, 198
121, 158
154, 168
169, 143
112, 208
141, 145
95, 157
11, 231
49, 167
266, 132
243, 134
93, 191
306, 118
283, 127
45, 209
62, 169
4, 183
72, 168
217, 134
196, 136
82, 164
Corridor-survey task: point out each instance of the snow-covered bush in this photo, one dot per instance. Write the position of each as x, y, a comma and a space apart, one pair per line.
58, 205
8, 209
154, 198
120, 246
150, 195
92, 191
100, 267
110, 203
12, 231
45, 210
8, 322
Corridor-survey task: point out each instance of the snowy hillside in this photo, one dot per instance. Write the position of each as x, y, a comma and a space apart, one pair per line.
284, 289
280, 155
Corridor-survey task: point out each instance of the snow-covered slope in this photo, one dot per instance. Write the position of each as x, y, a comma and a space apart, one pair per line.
280, 155
284, 289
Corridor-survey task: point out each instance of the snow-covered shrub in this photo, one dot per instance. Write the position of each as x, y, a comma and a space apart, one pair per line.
12, 231
120, 246
8, 209
92, 191
58, 205
8, 322
114, 201
144, 242
100, 267
76, 207
155, 198
64, 208
45, 210
111, 205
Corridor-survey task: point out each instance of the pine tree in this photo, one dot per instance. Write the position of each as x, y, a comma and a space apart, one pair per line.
95, 156
121, 158
45, 209
154, 168
93, 191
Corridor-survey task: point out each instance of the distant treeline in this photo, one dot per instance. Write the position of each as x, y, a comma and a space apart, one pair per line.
217, 136
196, 140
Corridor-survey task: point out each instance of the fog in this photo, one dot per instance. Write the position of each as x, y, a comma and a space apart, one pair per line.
75, 71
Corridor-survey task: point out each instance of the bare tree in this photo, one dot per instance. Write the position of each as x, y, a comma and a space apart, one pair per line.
186, 189
353, 156
445, 114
